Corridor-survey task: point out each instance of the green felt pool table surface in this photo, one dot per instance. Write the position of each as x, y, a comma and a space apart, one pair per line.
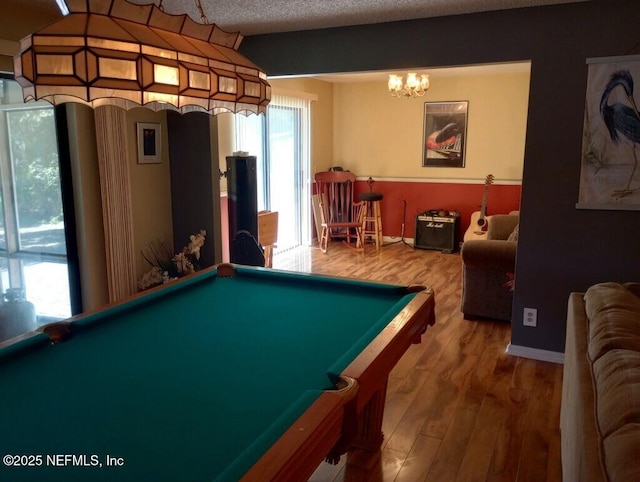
193, 381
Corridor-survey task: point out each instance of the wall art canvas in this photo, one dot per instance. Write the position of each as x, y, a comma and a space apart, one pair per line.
610, 171
445, 134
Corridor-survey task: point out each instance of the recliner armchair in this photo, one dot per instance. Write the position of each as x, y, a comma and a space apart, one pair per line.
488, 269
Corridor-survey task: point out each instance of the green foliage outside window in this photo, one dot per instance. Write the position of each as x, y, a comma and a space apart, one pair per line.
35, 160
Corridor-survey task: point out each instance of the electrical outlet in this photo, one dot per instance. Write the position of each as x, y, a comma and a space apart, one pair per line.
530, 317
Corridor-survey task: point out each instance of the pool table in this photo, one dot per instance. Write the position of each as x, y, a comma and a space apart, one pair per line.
233, 373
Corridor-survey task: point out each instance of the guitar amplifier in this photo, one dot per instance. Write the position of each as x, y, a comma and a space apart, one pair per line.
436, 232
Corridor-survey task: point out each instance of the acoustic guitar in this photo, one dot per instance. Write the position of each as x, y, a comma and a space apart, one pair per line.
479, 219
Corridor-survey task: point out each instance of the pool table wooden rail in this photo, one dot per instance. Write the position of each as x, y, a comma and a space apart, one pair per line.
372, 366
335, 425
303, 446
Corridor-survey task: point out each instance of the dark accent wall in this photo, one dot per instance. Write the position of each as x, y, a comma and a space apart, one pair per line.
195, 192
561, 249
69, 210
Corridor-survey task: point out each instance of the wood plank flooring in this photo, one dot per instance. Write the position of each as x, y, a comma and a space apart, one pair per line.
458, 408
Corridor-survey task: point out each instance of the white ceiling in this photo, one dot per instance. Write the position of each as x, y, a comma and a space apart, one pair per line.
251, 17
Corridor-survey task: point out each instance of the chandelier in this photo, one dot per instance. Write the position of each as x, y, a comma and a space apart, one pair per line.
112, 52
415, 86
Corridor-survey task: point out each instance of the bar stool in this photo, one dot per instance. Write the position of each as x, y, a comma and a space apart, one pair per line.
372, 224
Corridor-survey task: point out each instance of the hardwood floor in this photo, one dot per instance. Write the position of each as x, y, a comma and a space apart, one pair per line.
458, 408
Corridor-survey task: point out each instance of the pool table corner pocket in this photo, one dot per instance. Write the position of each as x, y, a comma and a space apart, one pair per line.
57, 332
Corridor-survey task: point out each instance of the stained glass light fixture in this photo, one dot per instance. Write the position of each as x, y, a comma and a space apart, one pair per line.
112, 52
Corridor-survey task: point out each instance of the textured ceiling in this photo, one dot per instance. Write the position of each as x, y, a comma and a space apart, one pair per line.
19, 18
251, 17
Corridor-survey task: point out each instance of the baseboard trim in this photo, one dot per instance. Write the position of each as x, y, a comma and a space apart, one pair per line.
535, 353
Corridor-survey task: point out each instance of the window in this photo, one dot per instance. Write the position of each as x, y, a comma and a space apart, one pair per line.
250, 133
33, 254
280, 142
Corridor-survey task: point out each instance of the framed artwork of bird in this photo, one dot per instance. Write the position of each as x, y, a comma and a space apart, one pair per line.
610, 175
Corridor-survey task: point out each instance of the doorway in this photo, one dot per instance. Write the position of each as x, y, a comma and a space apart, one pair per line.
280, 142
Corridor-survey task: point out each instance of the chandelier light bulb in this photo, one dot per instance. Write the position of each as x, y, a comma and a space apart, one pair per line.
395, 82
412, 81
424, 82
415, 86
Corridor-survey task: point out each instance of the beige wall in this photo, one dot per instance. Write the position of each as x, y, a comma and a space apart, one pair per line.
378, 135
150, 189
360, 127
88, 206
321, 116
226, 143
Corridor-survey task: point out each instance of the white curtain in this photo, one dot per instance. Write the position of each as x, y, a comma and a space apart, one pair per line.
111, 139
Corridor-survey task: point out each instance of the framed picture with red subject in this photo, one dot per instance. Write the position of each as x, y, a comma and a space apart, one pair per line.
445, 134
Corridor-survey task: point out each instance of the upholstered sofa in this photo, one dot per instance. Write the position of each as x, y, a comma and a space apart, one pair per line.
600, 411
488, 270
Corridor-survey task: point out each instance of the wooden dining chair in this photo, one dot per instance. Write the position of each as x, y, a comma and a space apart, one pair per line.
335, 189
268, 234
350, 230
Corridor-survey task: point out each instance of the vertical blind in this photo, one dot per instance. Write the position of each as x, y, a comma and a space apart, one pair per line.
281, 145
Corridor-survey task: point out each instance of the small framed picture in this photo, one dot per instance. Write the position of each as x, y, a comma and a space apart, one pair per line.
149, 143
445, 134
